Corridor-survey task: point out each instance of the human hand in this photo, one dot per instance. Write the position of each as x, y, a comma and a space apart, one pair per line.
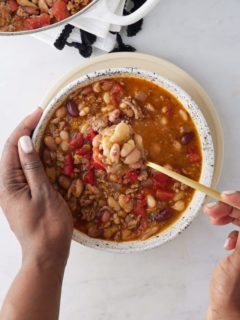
37, 214
225, 284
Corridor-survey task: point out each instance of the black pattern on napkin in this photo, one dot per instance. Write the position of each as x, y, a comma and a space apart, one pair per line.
87, 39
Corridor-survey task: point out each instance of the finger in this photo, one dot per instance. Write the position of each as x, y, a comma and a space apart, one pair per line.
231, 240
217, 210
232, 197
10, 159
32, 165
221, 221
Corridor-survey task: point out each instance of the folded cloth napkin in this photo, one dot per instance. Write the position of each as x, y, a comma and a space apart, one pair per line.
87, 21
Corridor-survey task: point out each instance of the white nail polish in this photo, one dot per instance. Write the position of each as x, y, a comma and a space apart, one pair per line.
211, 204
227, 242
229, 192
26, 144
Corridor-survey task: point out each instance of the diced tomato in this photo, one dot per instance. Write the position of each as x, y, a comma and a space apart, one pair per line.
193, 154
77, 141
89, 177
132, 176
85, 151
141, 208
89, 137
164, 195
161, 180
13, 5
37, 22
68, 166
117, 93
59, 10
98, 165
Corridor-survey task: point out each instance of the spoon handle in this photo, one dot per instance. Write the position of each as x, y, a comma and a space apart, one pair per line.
189, 182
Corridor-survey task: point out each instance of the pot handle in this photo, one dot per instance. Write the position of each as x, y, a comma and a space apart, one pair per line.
115, 19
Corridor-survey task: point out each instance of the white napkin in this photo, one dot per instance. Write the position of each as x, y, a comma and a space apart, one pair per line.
87, 21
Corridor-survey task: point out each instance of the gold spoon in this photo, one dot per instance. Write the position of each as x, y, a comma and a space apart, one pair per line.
190, 183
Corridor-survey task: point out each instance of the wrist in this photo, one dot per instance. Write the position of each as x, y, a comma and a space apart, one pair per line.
223, 314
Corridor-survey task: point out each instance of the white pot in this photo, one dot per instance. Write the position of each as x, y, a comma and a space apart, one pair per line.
100, 11
206, 144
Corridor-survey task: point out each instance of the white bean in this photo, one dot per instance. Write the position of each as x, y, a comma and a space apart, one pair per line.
179, 205
96, 87
106, 97
127, 148
151, 202
139, 141
121, 133
115, 153
183, 114
133, 157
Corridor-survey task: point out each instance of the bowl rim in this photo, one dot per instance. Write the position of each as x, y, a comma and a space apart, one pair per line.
206, 144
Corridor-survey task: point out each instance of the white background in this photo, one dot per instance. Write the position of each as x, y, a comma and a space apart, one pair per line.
202, 37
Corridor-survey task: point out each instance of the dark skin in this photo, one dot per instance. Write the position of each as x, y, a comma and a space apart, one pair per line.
42, 223
225, 283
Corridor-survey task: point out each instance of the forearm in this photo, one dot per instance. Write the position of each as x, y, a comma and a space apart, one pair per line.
35, 293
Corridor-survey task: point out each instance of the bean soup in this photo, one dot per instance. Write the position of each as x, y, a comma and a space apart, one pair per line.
94, 149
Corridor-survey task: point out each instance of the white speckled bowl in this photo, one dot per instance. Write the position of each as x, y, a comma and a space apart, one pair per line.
206, 144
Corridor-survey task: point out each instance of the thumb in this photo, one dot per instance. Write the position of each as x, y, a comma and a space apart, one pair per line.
32, 166
233, 198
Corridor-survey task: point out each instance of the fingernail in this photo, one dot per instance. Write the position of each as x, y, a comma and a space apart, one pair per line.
26, 144
211, 204
229, 192
227, 243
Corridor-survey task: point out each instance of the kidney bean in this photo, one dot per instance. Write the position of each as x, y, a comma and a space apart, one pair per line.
72, 108
187, 138
163, 215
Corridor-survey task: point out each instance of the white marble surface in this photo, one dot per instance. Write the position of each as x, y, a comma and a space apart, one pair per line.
203, 37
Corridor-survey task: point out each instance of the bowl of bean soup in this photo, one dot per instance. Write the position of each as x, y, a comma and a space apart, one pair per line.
94, 138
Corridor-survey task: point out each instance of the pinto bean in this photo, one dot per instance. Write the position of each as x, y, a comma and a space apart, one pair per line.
127, 148
64, 182
114, 115
133, 157
61, 112
64, 135
65, 146
106, 85
50, 143
140, 96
